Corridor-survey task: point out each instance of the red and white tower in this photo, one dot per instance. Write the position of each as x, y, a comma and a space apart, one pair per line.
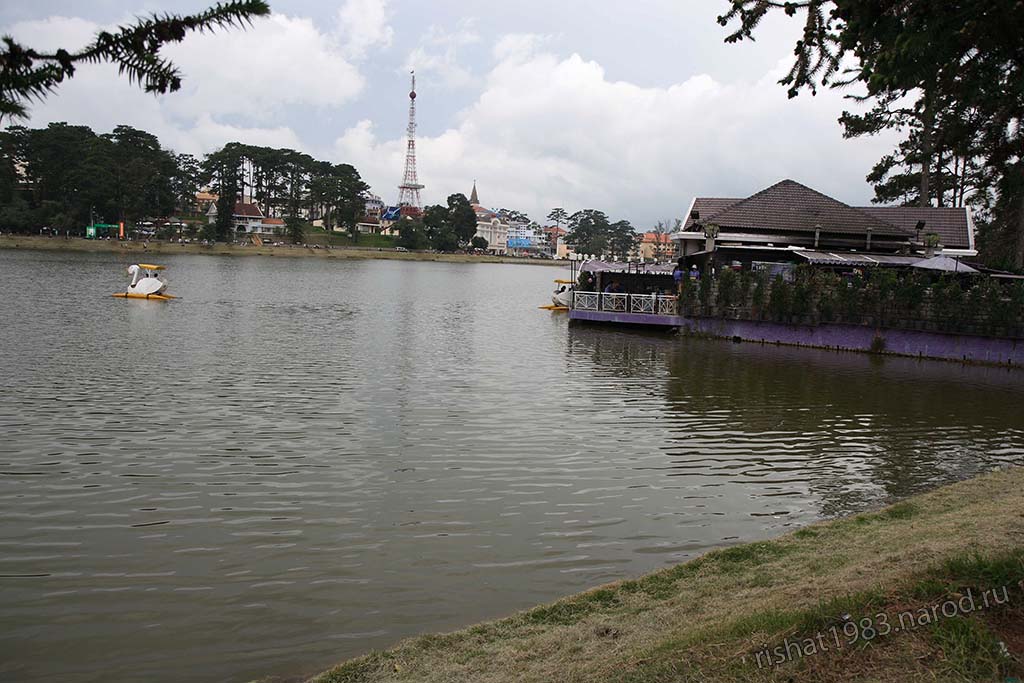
409, 191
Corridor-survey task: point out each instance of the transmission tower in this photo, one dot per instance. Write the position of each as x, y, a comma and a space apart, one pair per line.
409, 191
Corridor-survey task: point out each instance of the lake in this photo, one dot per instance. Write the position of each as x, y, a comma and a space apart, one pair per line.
301, 460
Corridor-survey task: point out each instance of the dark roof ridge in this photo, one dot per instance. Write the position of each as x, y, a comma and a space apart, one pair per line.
873, 222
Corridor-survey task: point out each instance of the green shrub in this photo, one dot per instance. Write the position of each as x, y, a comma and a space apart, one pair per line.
728, 289
780, 299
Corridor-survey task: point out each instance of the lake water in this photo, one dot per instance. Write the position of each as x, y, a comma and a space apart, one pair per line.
301, 460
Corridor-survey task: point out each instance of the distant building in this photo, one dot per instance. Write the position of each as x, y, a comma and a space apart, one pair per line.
489, 225
563, 250
248, 219
245, 217
522, 239
368, 225
552, 234
656, 246
204, 198
271, 226
374, 206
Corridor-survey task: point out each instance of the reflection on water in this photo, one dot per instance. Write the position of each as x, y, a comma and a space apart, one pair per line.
301, 460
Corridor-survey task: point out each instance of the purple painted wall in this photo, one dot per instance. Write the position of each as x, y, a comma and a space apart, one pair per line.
627, 318
958, 347
858, 338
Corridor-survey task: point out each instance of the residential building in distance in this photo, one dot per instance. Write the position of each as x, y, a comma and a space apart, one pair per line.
553, 234
248, 219
204, 198
272, 226
563, 250
522, 239
656, 246
374, 206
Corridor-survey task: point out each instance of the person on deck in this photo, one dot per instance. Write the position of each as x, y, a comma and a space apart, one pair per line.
614, 288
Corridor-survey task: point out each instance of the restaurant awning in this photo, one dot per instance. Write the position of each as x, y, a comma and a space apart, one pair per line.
856, 260
599, 266
945, 264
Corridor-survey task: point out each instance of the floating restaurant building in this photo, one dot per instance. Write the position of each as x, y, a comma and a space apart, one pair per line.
791, 223
774, 230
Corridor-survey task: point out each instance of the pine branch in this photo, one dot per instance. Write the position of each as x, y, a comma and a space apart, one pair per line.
27, 75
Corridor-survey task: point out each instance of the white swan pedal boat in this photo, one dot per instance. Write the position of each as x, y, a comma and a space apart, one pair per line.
562, 296
146, 283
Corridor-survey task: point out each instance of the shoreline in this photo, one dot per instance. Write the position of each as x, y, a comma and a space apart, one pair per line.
80, 244
722, 615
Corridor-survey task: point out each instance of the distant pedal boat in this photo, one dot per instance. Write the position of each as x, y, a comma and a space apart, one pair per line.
145, 284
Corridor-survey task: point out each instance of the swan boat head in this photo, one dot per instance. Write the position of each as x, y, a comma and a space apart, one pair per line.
145, 280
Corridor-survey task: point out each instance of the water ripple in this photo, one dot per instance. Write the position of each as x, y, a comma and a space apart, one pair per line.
248, 482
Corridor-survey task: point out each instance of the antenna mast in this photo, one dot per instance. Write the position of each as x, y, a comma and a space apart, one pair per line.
409, 191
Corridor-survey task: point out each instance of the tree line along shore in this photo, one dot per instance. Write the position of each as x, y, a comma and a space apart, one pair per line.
931, 588
314, 250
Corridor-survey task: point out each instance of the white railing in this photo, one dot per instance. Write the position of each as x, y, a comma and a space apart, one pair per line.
586, 301
668, 305
618, 303
641, 304
647, 304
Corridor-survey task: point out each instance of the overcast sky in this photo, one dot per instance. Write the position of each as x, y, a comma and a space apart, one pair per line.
632, 108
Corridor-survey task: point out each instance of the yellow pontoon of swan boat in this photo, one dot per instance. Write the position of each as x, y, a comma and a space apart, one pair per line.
145, 284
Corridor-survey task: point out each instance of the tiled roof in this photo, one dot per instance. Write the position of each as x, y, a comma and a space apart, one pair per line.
653, 237
792, 207
273, 221
950, 224
789, 206
247, 210
482, 211
708, 207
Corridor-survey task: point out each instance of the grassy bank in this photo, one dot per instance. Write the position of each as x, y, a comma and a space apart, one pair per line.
712, 619
163, 248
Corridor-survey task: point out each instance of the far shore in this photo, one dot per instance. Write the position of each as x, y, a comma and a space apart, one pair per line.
161, 248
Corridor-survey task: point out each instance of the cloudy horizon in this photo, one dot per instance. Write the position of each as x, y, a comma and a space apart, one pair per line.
633, 112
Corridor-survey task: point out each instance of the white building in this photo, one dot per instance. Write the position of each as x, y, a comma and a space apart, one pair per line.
521, 238
490, 226
245, 218
374, 206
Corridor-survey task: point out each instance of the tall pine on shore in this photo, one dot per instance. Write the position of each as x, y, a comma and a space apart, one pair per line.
949, 76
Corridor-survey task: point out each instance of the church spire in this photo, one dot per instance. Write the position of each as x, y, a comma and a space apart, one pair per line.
473, 199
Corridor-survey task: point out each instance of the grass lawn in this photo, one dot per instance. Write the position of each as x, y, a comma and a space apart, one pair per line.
865, 598
337, 239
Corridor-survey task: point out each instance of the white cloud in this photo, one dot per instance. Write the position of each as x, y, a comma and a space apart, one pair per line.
551, 130
207, 134
437, 55
237, 85
547, 128
363, 24
53, 33
280, 62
